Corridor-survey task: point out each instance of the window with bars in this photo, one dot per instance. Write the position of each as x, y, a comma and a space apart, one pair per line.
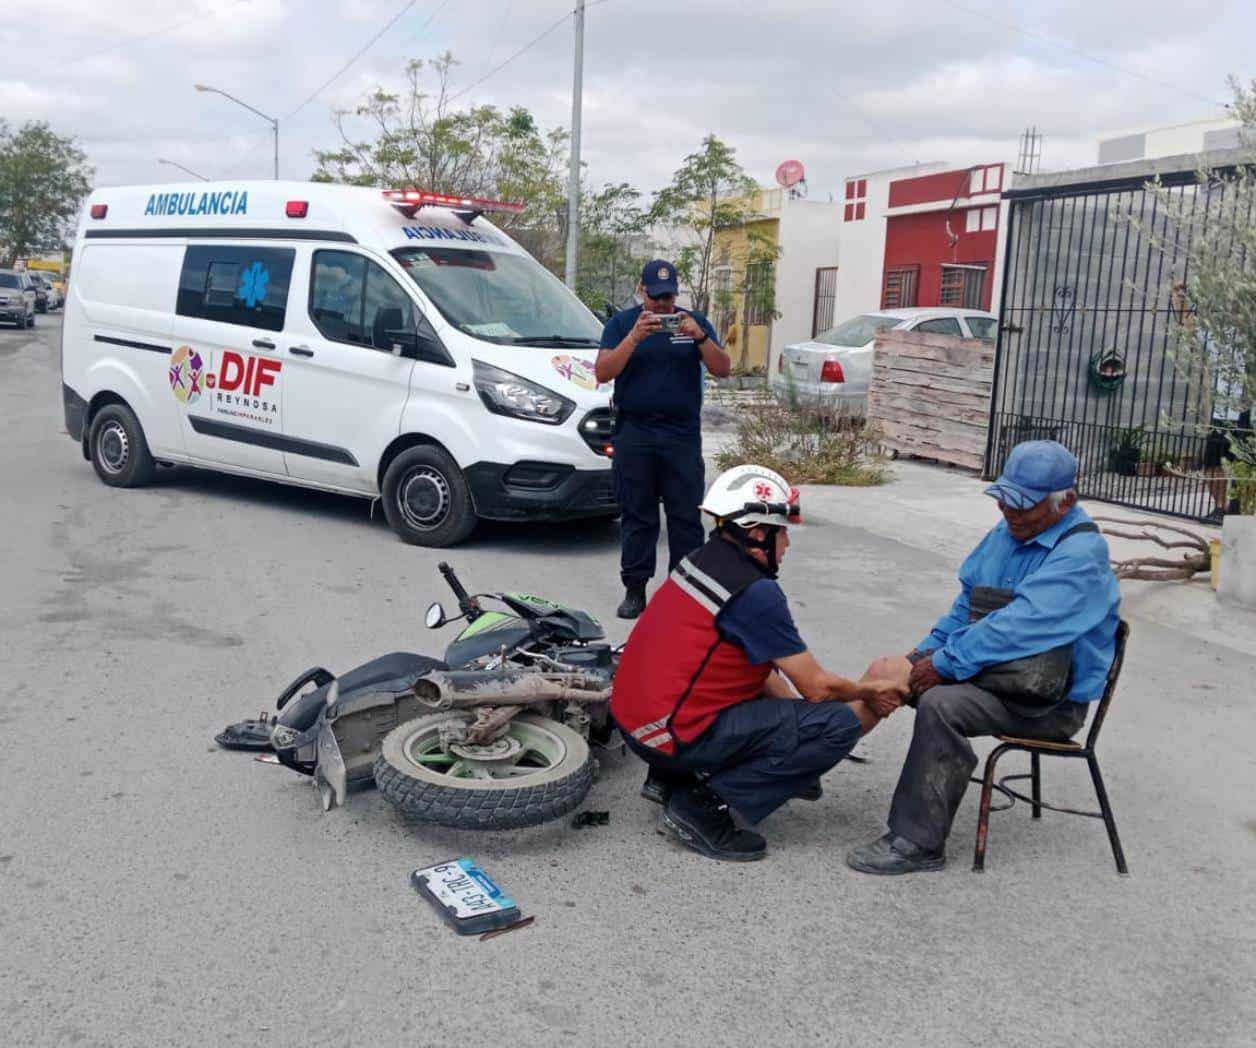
899, 291
825, 299
963, 286
758, 292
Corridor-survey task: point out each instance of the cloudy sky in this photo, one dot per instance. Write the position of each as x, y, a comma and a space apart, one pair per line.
846, 86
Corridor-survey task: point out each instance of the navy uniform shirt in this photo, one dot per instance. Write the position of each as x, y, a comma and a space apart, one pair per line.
758, 621
662, 383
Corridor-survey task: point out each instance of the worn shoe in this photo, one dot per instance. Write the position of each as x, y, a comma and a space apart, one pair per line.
892, 855
633, 603
702, 822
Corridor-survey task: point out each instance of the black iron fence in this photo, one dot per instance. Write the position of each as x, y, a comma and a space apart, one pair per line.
1094, 291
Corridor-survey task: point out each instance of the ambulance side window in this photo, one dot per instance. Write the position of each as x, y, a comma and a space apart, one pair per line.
353, 300
247, 286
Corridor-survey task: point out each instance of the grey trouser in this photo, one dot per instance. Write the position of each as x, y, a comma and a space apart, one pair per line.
940, 760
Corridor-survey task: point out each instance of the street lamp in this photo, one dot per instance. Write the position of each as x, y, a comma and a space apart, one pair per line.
273, 122
194, 174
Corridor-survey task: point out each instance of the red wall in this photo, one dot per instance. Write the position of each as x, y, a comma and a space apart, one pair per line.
921, 240
929, 188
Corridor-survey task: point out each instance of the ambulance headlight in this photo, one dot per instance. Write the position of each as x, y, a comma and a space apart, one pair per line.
506, 394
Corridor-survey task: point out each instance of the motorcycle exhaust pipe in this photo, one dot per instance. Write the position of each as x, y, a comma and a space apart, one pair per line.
443, 690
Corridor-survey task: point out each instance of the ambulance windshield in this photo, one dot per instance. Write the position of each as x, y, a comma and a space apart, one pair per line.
500, 296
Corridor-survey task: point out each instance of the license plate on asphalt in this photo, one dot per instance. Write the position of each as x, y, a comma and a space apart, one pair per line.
466, 896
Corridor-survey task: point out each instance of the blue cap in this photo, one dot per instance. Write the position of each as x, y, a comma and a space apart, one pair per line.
1033, 470
659, 278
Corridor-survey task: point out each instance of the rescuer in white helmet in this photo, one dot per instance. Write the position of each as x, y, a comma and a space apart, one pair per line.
717, 691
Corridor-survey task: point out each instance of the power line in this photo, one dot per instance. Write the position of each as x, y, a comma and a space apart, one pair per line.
526, 47
1043, 38
341, 71
127, 42
363, 50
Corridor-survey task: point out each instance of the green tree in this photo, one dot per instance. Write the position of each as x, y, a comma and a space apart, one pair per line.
708, 194
1214, 301
43, 180
612, 246
419, 137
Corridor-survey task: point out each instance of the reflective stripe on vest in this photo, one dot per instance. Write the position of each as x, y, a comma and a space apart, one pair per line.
677, 673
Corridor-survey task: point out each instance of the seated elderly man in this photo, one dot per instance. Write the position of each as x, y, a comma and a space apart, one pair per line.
1039, 584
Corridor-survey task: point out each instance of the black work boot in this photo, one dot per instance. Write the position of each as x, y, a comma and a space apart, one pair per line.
633, 603
703, 822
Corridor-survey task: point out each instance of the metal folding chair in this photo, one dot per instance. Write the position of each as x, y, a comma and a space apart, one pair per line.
1037, 748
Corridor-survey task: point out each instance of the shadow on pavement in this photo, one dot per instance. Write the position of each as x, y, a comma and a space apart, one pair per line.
550, 537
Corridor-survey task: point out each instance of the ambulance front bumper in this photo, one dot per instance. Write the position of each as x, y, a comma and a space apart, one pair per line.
540, 491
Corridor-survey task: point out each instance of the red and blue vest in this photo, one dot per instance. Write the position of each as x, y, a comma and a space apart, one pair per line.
676, 672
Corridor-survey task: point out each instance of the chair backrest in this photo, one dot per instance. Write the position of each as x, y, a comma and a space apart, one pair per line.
1114, 673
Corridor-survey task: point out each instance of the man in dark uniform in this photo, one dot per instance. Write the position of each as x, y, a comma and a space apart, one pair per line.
657, 371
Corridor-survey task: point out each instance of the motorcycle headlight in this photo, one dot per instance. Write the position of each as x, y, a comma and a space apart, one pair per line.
504, 393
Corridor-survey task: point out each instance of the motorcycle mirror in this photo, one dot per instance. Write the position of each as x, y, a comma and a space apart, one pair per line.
435, 617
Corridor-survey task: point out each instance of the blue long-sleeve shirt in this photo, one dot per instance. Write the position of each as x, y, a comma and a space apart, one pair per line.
1064, 596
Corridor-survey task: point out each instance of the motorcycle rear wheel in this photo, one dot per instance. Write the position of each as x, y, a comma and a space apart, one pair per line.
541, 770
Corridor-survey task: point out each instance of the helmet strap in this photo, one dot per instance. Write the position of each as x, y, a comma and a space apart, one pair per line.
746, 542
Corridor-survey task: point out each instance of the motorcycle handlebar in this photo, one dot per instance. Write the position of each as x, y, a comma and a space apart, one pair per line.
466, 603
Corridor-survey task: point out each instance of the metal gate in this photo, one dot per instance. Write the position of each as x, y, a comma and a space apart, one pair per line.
1094, 280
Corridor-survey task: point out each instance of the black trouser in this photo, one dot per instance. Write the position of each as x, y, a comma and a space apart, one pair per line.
652, 462
940, 760
759, 754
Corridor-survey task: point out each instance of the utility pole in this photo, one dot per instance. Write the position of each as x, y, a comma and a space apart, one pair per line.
573, 179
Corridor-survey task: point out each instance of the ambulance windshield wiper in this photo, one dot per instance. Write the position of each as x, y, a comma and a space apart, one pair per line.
551, 340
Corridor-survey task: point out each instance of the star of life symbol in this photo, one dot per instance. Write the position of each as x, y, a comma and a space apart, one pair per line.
253, 283
763, 490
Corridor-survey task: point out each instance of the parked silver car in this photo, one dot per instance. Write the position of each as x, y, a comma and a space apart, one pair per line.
17, 298
831, 373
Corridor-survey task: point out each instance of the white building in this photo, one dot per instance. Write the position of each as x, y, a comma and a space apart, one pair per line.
1201, 136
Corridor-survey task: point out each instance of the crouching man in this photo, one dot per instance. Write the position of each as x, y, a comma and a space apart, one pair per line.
703, 691
1039, 584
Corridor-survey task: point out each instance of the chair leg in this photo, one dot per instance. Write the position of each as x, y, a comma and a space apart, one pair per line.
1106, 808
1036, 782
983, 812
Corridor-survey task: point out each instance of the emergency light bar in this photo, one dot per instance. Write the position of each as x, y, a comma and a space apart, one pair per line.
413, 199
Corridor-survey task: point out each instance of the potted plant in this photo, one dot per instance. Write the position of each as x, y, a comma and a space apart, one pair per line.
1126, 450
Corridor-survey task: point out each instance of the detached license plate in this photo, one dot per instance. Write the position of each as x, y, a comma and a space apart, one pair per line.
466, 897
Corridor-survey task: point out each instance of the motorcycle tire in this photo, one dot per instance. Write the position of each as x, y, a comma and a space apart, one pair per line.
436, 791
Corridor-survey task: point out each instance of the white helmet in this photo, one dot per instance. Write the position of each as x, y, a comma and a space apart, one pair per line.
750, 496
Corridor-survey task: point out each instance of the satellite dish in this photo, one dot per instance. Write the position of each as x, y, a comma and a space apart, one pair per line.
790, 173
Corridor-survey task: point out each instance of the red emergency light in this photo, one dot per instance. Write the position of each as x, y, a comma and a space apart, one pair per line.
297, 208
413, 199
100, 210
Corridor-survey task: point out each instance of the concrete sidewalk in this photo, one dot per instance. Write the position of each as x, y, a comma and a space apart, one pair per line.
942, 510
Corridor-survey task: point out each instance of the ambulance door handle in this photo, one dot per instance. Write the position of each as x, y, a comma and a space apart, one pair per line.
263, 343
301, 351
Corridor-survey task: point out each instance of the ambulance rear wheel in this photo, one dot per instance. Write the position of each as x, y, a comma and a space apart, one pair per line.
118, 449
426, 498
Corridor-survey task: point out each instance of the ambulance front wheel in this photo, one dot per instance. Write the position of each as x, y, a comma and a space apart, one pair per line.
118, 449
426, 498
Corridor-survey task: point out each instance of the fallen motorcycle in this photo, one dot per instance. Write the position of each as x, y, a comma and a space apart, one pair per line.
495, 736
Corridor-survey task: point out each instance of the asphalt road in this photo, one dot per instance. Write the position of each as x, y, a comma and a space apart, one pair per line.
157, 891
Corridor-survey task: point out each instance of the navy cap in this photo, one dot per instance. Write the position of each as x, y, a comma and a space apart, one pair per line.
1033, 470
659, 278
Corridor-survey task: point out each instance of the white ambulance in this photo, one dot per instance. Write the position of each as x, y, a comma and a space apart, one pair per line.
389, 344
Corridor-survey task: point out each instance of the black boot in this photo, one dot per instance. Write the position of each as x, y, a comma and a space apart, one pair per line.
702, 822
659, 785
633, 603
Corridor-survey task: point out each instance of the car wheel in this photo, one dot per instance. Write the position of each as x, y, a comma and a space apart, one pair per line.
426, 498
118, 449
30, 322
